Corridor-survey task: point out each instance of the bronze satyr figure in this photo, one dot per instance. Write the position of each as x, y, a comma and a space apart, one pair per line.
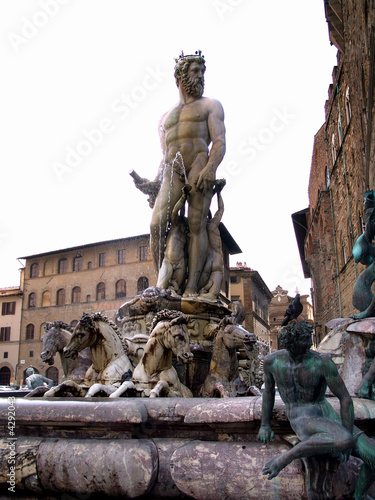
302, 377
364, 253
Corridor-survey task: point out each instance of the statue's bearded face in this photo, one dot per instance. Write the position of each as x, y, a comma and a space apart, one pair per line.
192, 80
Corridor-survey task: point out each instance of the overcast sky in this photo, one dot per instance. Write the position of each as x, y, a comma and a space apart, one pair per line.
85, 82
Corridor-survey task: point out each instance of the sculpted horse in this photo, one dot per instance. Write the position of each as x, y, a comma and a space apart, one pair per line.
154, 375
108, 354
223, 373
135, 347
57, 336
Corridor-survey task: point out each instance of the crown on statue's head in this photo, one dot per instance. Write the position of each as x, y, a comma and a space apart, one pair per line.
198, 53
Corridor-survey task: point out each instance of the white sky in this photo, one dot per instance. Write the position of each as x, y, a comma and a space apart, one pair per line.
70, 67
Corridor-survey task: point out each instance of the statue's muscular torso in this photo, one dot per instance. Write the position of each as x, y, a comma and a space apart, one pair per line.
185, 130
301, 385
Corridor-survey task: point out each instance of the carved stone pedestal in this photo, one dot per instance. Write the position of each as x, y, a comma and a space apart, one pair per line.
135, 317
205, 449
346, 344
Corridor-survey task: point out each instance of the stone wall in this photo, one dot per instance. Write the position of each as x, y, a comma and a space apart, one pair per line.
341, 167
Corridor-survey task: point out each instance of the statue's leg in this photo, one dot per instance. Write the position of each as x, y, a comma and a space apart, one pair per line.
217, 279
161, 386
169, 194
64, 387
165, 274
204, 283
367, 313
220, 389
363, 298
179, 274
125, 386
95, 388
365, 479
365, 450
199, 204
319, 436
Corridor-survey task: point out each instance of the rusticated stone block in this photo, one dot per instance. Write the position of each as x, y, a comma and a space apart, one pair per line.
208, 470
164, 486
117, 468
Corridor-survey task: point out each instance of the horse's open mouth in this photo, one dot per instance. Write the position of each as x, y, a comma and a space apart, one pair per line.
184, 358
46, 358
71, 354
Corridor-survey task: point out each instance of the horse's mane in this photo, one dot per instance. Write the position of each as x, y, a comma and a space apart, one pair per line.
88, 320
173, 317
223, 323
57, 325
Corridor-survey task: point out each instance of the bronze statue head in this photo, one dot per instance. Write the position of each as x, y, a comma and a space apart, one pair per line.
369, 201
296, 334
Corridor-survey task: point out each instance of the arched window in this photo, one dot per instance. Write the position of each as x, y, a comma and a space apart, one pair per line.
4, 375
348, 108
77, 263
60, 297
334, 153
48, 268
361, 226
339, 130
63, 266
120, 289
143, 253
46, 299
328, 179
142, 284
349, 233
100, 291
32, 300
30, 332
34, 270
343, 252
121, 256
102, 259
53, 373
76, 295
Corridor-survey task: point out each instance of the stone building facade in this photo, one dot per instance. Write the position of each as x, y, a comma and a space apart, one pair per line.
63, 284
343, 165
10, 321
247, 286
